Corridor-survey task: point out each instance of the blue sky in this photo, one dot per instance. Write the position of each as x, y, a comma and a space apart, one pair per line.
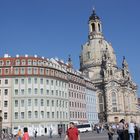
57, 28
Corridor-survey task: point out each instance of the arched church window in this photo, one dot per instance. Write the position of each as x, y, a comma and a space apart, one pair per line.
99, 27
93, 27
114, 102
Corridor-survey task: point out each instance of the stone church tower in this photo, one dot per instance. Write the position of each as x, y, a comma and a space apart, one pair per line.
116, 91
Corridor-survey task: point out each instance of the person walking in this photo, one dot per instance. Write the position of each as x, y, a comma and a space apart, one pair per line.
51, 131
110, 132
72, 133
131, 130
60, 131
25, 135
19, 134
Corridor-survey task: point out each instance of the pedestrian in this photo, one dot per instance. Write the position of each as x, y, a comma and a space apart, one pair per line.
51, 131
35, 133
19, 134
120, 129
110, 132
25, 135
131, 130
72, 133
60, 131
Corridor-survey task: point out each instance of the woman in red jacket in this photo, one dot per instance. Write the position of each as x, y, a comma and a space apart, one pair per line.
25, 135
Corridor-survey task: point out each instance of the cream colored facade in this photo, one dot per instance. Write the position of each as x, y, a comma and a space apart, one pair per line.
116, 90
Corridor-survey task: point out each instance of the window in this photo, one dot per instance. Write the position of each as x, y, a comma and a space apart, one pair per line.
41, 90
29, 70
22, 71
16, 115
52, 102
5, 92
47, 82
6, 71
52, 82
23, 62
16, 70
35, 80
29, 90
16, 91
47, 91
29, 102
22, 103
8, 62
36, 114
22, 115
22, 81
41, 81
41, 71
6, 81
48, 114
35, 90
29, 114
93, 27
5, 115
5, 103
42, 102
48, 103
88, 55
16, 81
22, 91
42, 114
1, 62
16, 103
52, 114
36, 102
29, 80
35, 71
29, 62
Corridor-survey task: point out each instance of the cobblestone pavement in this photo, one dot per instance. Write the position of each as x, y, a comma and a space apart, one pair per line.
84, 136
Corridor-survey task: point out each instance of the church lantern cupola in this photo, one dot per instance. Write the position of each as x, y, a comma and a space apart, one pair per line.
95, 26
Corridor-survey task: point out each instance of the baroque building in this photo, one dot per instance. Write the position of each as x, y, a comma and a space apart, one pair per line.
116, 90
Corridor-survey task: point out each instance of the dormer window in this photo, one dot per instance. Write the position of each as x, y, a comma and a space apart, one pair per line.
17, 62
8, 62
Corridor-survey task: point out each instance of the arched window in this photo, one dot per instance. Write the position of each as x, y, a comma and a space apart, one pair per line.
93, 27
114, 102
99, 27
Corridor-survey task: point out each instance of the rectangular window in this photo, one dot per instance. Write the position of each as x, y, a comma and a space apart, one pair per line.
29, 80
16, 103
22, 71
22, 103
6, 71
29, 102
29, 114
35, 80
47, 82
48, 103
22, 115
5, 115
22, 91
6, 81
47, 91
16, 81
35, 71
5, 103
29, 90
42, 114
48, 114
41, 90
5, 92
16, 70
36, 102
22, 81
29, 70
41, 71
41, 81
36, 114
42, 102
16, 91
52, 114
16, 115
35, 90
52, 102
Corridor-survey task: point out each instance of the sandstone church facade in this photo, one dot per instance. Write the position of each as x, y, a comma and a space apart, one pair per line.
116, 90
